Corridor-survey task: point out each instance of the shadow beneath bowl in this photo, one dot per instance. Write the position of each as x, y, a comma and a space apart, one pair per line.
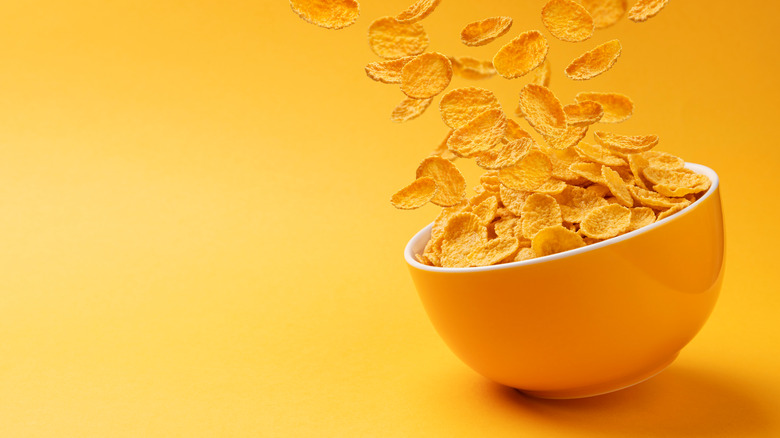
677, 402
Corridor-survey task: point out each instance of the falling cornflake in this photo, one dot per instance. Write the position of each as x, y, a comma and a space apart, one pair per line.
595, 62
330, 14
410, 109
645, 9
567, 20
605, 13
391, 39
484, 31
521, 55
417, 11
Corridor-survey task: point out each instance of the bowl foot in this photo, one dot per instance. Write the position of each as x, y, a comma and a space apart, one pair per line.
602, 388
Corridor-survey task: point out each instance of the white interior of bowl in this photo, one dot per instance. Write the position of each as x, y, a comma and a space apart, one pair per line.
417, 243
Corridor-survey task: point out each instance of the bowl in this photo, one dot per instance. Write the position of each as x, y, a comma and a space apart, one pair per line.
587, 321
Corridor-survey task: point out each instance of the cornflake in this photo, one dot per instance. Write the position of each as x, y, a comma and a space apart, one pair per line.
589, 171
570, 138
605, 13
415, 195
567, 20
513, 199
391, 39
583, 113
450, 184
388, 72
525, 254
417, 11
409, 109
472, 68
640, 217
672, 210
494, 251
626, 144
542, 110
655, 200
606, 222
479, 134
515, 132
504, 226
463, 234
645, 9
576, 203
551, 187
539, 211
506, 154
677, 183
663, 160
486, 210
530, 173
426, 75
598, 154
484, 31
490, 181
617, 107
521, 55
330, 14
461, 105
637, 163
555, 239
561, 160
595, 62
616, 185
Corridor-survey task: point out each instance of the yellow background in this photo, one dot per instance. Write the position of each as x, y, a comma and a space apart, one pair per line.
196, 238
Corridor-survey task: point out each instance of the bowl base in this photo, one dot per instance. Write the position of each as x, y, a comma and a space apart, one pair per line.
603, 388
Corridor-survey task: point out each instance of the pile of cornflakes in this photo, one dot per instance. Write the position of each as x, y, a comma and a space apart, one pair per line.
534, 198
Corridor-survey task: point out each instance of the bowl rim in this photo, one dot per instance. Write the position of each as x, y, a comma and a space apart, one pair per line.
425, 234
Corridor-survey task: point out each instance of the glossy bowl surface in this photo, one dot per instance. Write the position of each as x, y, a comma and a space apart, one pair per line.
588, 321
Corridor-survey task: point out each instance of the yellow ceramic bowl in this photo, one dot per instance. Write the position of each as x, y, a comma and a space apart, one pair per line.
587, 321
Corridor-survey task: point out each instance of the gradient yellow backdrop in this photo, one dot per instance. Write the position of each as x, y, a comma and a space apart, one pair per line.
196, 238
